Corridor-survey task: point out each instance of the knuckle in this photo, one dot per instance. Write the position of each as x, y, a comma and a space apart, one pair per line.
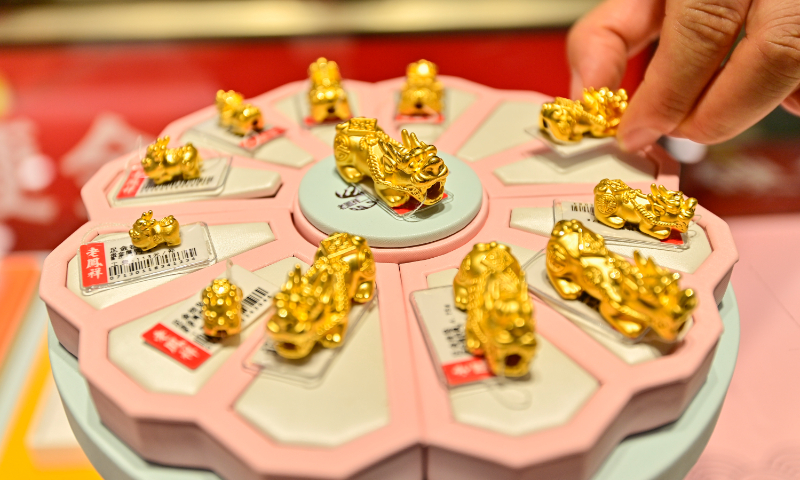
711, 26
779, 44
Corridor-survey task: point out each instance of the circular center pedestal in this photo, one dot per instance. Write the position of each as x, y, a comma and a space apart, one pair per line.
328, 204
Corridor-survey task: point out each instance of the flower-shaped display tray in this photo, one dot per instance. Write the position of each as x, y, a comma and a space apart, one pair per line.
380, 410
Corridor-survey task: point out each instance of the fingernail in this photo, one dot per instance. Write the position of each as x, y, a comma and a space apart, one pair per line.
575, 85
636, 140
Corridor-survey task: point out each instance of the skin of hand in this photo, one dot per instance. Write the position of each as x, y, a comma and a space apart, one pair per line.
687, 91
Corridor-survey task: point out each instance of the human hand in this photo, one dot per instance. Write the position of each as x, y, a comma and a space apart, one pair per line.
685, 92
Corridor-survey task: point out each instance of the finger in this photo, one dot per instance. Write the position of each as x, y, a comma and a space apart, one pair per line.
762, 72
601, 42
695, 38
792, 103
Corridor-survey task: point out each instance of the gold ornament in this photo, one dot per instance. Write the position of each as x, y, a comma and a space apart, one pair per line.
222, 309
597, 114
239, 118
162, 164
147, 234
327, 98
399, 171
632, 298
422, 93
491, 287
656, 213
314, 307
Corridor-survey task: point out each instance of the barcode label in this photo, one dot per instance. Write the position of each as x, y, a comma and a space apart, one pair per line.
138, 185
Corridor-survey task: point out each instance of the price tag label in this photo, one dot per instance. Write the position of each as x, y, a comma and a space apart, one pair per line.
180, 335
115, 262
211, 130
138, 185
444, 327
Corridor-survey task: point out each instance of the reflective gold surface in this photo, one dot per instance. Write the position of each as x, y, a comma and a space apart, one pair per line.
632, 298
162, 164
147, 233
314, 307
422, 93
327, 98
222, 309
597, 114
656, 213
399, 171
491, 287
238, 117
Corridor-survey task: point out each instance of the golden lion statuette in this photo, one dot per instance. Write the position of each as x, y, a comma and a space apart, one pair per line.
162, 164
239, 118
632, 298
399, 171
598, 114
422, 93
222, 309
313, 307
147, 234
491, 287
656, 213
327, 98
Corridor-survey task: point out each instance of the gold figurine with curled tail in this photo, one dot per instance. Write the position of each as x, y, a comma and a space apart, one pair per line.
632, 297
422, 93
656, 213
222, 309
400, 171
162, 164
597, 114
327, 98
147, 233
314, 307
491, 287
238, 117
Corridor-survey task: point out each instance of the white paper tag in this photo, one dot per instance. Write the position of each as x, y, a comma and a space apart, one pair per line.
249, 143
444, 327
180, 336
566, 150
137, 184
116, 262
627, 235
406, 212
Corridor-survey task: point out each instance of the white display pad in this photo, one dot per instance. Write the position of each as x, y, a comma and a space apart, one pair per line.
297, 108
229, 240
548, 168
502, 130
539, 220
587, 144
456, 102
281, 150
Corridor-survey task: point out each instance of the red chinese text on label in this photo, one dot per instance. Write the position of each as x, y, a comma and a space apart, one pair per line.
184, 351
93, 270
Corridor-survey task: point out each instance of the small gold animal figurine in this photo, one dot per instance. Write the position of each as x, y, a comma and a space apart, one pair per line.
422, 93
656, 213
162, 164
327, 98
147, 234
632, 298
597, 114
222, 309
399, 171
491, 287
239, 118
314, 307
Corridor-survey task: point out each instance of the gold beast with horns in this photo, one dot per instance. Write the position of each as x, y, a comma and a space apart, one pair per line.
400, 171
222, 309
162, 164
238, 117
491, 287
632, 298
327, 98
422, 93
656, 213
147, 233
597, 114
314, 307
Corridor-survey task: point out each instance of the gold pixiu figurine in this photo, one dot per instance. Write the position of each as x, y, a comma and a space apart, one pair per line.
147, 233
597, 114
239, 118
491, 287
314, 307
632, 298
327, 98
656, 213
399, 171
422, 93
222, 309
162, 164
